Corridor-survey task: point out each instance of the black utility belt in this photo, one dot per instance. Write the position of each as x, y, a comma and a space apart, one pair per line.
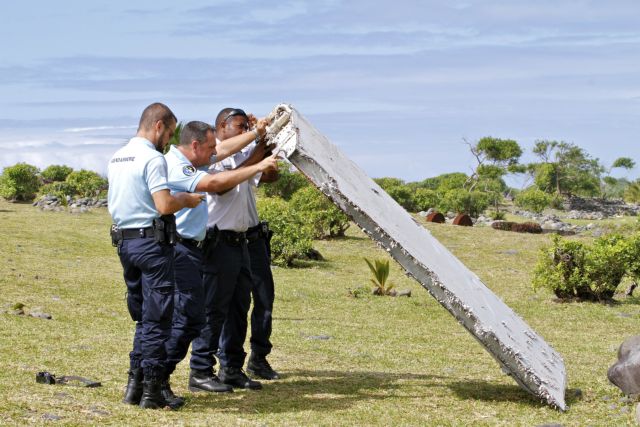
163, 230
191, 242
132, 233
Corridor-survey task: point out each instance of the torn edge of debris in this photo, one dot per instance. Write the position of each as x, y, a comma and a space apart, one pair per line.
521, 353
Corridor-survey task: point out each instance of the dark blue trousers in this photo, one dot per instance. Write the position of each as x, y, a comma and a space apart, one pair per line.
188, 313
148, 273
227, 288
262, 292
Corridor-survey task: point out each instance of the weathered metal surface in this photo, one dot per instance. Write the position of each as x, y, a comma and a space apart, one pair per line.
436, 217
463, 219
522, 353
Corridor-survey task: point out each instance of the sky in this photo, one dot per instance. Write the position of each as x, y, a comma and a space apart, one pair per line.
398, 86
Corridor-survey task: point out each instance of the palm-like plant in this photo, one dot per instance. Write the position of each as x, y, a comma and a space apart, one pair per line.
380, 271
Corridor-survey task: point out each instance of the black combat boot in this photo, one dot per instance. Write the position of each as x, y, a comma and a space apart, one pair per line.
133, 393
258, 366
152, 392
235, 377
174, 401
207, 381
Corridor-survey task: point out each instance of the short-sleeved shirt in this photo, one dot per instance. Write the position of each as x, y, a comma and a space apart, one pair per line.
135, 172
236, 209
183, 176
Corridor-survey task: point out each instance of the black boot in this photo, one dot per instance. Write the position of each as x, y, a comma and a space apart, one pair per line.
133, 393
174, 401
258, 366
152, 393
207, 381
237, 378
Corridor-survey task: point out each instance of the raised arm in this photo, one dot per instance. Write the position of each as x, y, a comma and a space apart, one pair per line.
230, 146
224, 181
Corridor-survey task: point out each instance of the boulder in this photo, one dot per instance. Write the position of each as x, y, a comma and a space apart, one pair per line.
625, 373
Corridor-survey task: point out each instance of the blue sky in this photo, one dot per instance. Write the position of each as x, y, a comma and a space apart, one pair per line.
397, 85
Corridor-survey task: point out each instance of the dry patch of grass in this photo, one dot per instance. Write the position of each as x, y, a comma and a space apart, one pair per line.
346, 361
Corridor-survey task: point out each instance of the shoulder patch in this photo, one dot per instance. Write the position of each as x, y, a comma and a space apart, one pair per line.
188, 170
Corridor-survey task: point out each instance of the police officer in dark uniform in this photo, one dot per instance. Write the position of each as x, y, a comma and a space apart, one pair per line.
141, 207
185, 162
227, 271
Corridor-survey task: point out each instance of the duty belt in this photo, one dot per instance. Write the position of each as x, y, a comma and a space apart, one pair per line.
134, 233
235, 238
191, 242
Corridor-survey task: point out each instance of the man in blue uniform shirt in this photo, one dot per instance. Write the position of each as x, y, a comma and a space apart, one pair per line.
138, 196
197, 144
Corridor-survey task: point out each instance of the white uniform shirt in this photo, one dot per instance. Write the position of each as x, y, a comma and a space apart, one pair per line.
135, 172
236, 209
183, 176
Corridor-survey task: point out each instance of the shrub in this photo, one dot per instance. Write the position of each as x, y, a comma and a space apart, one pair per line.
86, 183
424, 199
403, 195
573, 269
463, 201
292, 237
319, 212
58, 189
19, 182
286, 185
533, 199
55, 173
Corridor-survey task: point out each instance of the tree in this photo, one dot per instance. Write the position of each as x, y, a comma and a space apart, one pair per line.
19, 182
56, 173
566, 168
495, 159
614, 187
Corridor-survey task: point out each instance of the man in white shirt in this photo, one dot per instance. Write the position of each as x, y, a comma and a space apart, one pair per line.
227, 268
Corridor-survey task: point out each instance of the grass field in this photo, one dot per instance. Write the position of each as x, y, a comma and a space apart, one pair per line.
381, 360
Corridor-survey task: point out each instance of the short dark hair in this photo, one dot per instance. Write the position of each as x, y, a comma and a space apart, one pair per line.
154, 113
227, 113
194, 130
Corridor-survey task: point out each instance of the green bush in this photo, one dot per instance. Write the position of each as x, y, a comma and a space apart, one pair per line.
58, 189
55, 173
424, 199
403, 195
590, 272
19, 182
292, 236
86, 183
319, 212
399, 191
462, 201
287, 184
533, 199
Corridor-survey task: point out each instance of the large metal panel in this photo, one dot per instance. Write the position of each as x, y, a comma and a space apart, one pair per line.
522, 353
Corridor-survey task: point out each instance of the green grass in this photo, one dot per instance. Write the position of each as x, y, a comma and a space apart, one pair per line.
389, 361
